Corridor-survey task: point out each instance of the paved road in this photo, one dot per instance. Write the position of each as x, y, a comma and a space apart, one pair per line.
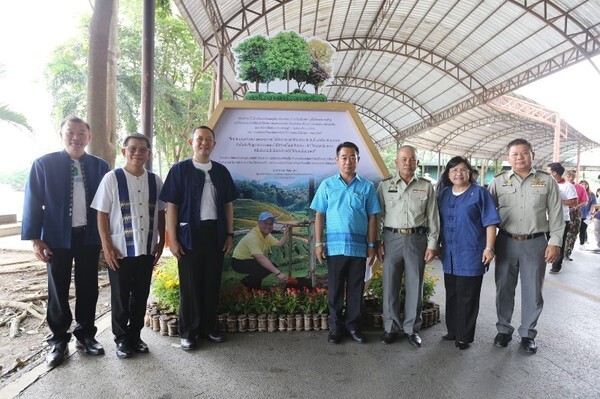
304, 365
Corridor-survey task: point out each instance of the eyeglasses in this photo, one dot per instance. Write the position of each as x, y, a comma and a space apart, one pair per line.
133, 149
459, 171
207, 140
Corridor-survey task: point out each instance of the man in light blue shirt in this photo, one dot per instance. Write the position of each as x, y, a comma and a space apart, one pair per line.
349, 204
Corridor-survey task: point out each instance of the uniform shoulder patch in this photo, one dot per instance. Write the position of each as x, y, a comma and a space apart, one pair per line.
387, 178
501, 173
542, 172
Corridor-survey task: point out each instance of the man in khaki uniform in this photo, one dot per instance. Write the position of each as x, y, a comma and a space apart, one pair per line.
529, 204
411, 226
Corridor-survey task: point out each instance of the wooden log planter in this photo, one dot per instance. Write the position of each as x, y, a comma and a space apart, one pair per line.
371, 318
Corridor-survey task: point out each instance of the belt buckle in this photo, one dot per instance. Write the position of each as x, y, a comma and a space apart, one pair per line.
405, 231
520, 237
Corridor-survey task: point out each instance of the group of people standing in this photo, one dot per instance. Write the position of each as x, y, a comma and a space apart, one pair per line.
405, 224
75, 206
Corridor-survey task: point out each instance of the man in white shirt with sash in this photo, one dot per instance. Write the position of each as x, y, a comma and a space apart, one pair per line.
131, 222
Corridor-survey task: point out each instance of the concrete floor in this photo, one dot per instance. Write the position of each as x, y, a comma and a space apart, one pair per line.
304, 365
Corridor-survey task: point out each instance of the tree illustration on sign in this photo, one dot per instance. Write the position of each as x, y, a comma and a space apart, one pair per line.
285, 56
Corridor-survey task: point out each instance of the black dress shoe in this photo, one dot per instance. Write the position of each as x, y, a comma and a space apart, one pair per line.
188, 344
462, 345
528, 345
501, 340
357, 337
90, 346
389, 337
414, 339
449, 337
334, 337
215, 337
124, 350
57, 355
139, 346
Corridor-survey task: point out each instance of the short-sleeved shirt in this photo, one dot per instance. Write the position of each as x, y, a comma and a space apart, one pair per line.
585, 210
347, 208
530, 205
107, 200
567, 192
409, 205
582, 195
254, 243
464, 219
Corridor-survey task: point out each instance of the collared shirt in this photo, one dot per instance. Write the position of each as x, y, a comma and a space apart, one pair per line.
409, 205
464, 219
254, 243
184, 187
347, 208
47, 211
530, 205
107, 200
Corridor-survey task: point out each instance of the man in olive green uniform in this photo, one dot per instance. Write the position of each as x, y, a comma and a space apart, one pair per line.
409, 239
529, 204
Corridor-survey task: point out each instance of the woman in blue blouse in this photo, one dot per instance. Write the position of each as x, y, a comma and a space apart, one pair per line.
468, 219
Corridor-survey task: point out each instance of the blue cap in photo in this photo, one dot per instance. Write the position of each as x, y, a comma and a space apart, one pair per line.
265, 215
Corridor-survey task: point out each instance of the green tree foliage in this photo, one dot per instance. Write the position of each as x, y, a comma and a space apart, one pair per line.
285, 56
321, 67
11, 117
288, 51
66, 77
293, 199
321, 52
182, 90
250, 55
16, 179
316, 76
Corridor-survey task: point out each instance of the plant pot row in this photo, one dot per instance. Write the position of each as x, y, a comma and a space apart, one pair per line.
167, 323
272, 322
374, 318
164, 323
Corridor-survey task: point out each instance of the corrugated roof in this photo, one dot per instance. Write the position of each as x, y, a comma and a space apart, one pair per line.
421, 71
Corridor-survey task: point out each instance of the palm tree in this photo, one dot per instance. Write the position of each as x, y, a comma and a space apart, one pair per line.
9, 116
13, 118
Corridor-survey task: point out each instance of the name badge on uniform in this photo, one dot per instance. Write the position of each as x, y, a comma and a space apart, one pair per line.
537, 182
393, 188
419, 190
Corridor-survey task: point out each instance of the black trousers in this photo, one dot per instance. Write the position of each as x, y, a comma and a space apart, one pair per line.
59, 269
346, 278
583, 236
200, 272
129, 289
557, 265
462, 305
254, 270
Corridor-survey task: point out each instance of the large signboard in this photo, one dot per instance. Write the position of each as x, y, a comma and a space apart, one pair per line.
288, 143
275, 151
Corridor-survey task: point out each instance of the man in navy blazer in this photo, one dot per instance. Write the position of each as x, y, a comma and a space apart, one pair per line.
58, 219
